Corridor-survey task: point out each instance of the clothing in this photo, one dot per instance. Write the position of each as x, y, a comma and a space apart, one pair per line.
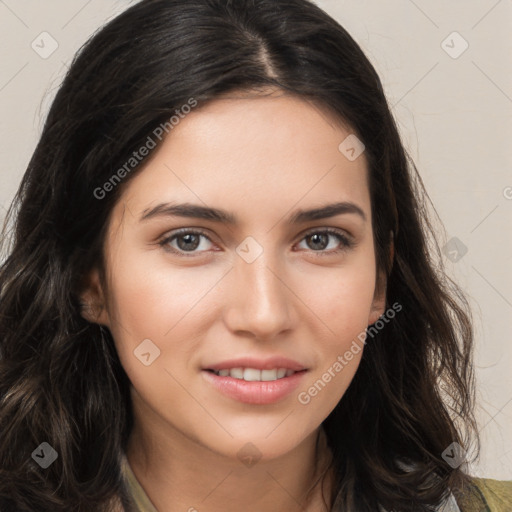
487, 495
137, 493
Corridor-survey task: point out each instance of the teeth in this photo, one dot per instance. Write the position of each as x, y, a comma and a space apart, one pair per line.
255, 375
237, 373
269, 374
251, 374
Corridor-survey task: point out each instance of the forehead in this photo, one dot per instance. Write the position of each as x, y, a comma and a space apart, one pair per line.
265, 152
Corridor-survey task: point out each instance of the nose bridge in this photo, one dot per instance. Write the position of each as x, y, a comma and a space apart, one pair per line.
260, 300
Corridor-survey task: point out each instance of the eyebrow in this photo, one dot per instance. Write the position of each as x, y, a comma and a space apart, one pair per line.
218, 215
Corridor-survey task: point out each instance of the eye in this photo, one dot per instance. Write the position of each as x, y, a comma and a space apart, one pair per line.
319, 241
186, 241
189, 241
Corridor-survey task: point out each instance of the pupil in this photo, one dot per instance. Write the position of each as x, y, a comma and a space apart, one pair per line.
322, 236
186, 245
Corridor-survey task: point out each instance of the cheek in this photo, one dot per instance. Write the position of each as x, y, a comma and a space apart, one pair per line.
152, 299
341, 301
170, 307
342, 297
166, 307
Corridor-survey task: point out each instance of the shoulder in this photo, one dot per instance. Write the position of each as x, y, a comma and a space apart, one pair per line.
497, 493
138, 497
494, 495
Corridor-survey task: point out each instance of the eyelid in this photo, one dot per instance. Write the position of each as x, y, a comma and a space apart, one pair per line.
165, 239
346, 239
326, 229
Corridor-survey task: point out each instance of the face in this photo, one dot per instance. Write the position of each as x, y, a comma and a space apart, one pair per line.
232, 295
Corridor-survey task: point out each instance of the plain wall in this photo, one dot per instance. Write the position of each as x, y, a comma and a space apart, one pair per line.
454, 113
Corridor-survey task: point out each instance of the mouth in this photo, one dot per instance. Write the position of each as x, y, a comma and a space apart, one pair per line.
256, 382
254, 374
253, 385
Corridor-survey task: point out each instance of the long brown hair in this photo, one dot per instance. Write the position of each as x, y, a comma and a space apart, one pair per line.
61, 381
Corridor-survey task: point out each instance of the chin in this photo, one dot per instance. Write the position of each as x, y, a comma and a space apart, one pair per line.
251, 446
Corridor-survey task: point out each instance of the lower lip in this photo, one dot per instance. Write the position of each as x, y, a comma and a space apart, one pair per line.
259, 393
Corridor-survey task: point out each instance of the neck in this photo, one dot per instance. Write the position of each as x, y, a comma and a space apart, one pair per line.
178, 473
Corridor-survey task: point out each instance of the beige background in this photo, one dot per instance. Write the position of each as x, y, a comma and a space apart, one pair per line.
455, 115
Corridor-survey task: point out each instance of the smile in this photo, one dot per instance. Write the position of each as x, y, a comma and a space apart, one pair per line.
253, 374
250, 387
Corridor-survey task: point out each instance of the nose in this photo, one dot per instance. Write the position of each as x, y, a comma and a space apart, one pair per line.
261, 302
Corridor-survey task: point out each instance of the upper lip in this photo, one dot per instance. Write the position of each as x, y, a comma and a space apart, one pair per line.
259, 364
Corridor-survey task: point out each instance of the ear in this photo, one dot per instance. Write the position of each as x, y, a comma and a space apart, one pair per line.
378, 307
92, 300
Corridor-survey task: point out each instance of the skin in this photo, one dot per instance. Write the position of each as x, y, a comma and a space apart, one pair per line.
260, 158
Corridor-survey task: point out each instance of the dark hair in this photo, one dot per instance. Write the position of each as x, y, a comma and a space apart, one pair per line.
61, 380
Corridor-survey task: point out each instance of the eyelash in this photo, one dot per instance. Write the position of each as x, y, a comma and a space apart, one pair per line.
346, 242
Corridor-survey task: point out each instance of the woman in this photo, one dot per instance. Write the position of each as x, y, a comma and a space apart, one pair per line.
221, 292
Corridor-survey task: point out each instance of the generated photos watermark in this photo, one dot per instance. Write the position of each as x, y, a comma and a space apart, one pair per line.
305, 397
138, 156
